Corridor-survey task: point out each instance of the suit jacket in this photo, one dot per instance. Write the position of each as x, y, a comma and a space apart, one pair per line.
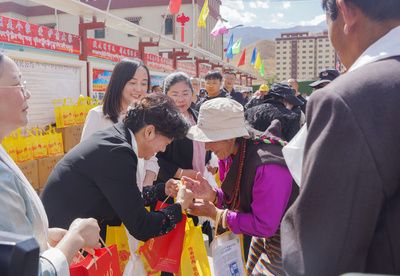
178, 154
97, 178
347, 216
237, 96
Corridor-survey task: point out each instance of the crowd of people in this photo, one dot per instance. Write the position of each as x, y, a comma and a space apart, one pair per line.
312, 184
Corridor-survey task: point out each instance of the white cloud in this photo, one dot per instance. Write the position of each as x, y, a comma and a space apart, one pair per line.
279, 15
315, 21
233, 4
259, 4
236, 17
286, 5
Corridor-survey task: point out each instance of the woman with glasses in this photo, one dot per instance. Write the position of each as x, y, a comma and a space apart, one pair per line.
21, 210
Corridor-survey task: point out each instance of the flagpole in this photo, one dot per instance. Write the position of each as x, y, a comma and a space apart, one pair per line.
193, 25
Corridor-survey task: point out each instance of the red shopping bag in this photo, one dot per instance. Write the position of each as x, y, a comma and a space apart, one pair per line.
163, 253
104, 262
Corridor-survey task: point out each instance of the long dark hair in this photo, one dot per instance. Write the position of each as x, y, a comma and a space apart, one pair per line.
122, 73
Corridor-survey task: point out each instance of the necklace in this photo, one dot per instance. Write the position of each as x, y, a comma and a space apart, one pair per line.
234, 200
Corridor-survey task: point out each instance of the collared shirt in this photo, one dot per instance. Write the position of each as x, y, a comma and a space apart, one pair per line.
385, 47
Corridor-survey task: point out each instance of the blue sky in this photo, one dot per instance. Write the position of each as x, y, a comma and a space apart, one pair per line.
272, 13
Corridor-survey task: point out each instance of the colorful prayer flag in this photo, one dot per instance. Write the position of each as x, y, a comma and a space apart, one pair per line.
236, 47
174, 6
262, 69
253, 56
242, 58
219, 29
257, 64
229, 53
201, 23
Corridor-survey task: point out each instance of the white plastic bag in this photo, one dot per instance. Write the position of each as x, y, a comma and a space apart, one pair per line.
293, 153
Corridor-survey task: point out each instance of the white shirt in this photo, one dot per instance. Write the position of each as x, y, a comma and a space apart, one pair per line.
96, 120
385, 47
22, 212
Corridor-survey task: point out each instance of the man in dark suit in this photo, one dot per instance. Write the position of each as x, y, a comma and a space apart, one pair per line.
347, 216
228, 89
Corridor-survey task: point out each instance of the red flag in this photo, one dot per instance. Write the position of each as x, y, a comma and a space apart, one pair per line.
242, 58
174, 6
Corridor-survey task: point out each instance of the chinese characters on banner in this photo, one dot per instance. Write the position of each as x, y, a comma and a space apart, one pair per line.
187, 67
109, 51
158, 63
23, 33
204, 69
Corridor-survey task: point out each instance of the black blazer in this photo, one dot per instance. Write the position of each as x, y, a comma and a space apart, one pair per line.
178, 154
97, 178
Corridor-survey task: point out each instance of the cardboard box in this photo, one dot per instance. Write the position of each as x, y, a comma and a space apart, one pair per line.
46, 166
31, 172
71, 136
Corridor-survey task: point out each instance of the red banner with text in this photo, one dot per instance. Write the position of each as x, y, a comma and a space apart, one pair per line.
187, 67
20, 32
155, 62
204, 69
105, 50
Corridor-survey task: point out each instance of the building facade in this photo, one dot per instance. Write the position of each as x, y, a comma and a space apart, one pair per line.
152, 15
303, 55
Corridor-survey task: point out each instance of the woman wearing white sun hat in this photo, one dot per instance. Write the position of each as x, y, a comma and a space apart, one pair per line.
257, 187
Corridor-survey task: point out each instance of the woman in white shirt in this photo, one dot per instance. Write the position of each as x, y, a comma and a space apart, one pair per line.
130, 81
21, 210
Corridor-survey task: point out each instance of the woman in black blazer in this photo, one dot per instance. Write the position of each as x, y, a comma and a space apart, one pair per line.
182, 157
98, 177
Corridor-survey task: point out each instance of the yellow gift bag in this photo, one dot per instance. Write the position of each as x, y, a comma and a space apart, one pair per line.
117, 235
194, 260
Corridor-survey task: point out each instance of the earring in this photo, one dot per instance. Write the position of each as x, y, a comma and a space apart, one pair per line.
346, 29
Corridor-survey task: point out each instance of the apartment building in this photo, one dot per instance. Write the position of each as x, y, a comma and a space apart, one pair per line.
151, 14
303, 55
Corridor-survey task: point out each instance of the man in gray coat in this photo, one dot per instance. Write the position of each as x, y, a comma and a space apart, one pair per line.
347, 216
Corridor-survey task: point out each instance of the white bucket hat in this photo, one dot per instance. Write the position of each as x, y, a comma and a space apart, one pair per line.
219, 119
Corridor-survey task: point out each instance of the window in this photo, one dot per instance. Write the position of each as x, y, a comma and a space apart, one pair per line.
99, 33
311, 51
134, 20
169, 25
278, 53
304, 46
278, 47
49, 25
310, 46
319, 56
311, 67
311, 62
278, 57
304, 52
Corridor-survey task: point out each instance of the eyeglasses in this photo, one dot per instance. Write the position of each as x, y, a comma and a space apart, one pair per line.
24, 90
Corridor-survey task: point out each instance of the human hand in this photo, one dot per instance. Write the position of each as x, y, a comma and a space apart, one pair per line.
203, 208
172, 187
184, 197
191, 173
212, 170
201, 188
55, 235
87, 230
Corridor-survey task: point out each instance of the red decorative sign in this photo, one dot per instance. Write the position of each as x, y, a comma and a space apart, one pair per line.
24, 33
158, 63
204, 69
110, 51
186, 67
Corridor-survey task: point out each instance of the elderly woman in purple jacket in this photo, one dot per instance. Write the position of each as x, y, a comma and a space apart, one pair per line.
257, 187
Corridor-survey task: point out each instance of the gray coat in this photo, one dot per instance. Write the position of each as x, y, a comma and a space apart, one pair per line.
347, 217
